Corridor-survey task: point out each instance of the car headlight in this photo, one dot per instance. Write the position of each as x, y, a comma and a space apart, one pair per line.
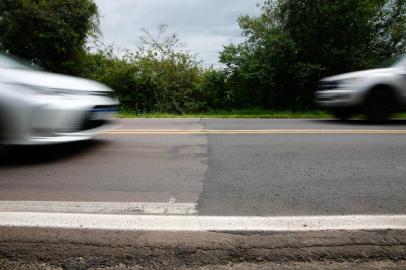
47, 92
43, 91
40, 92
348, 82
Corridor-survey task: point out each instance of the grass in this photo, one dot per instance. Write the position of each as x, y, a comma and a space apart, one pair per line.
245, 113
400, 116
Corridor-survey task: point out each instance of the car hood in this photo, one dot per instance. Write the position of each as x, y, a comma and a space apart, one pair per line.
361, 74
50, 80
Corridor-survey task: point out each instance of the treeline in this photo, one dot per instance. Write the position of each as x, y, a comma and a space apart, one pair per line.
160, 76
287, 49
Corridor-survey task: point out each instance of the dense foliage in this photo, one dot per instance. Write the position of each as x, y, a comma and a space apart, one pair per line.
51, 33
286, 50
160, 76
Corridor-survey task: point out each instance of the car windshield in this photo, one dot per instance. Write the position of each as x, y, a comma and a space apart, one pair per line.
397, 61
9, 62
401, 62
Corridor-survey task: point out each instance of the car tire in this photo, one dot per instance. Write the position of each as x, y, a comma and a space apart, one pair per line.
342, 114
379, 105
1, 129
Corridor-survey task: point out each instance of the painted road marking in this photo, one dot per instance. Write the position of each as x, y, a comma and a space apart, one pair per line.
202, 223
264, 131
132, 208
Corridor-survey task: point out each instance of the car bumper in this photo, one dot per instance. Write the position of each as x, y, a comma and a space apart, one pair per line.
58, 138
60, 121
337, 98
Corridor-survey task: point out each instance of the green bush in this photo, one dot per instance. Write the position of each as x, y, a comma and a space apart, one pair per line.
214, 90
158, 77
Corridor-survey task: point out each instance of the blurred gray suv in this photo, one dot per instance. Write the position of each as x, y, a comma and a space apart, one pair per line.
377, 93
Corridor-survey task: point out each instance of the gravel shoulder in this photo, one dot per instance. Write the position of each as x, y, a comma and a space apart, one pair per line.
84, 249
373, 265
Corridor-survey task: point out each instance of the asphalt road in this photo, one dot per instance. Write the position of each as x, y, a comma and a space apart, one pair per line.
278, 168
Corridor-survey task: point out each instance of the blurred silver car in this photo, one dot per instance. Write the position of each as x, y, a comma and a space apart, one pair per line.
38, 107
376, 93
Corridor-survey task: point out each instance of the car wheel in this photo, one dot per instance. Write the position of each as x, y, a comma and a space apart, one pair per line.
342, 114
3, 147
1, 130
379, 105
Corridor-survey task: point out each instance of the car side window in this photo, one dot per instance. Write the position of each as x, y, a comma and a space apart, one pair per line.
7, 62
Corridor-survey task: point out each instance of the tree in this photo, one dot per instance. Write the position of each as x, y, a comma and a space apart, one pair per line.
51, 33
344, 35
294, 43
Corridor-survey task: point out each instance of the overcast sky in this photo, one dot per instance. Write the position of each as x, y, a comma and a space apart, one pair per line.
203, 25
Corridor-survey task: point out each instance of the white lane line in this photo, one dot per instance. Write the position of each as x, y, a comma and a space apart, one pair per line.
201, 223
100, 207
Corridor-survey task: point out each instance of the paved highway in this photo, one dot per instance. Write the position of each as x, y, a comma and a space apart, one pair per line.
221, 194
219, 167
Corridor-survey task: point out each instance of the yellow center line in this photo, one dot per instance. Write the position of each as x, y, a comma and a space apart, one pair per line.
265, 131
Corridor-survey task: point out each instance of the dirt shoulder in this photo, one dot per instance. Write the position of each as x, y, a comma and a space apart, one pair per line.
373, 265
22, 248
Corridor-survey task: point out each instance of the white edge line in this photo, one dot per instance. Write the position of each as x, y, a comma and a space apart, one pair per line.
126, 208
202, 223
